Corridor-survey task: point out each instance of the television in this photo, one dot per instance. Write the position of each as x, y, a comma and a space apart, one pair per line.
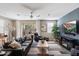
70, 27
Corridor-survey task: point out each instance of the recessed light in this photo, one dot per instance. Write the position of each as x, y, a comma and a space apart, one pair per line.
38, 16
48, 14
18, 14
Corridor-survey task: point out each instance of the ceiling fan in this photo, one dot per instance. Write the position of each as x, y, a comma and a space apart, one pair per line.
31, 16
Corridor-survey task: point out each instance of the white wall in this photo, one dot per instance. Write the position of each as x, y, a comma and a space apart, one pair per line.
38, 26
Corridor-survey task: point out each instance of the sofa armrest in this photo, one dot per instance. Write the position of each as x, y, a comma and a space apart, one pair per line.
9, 49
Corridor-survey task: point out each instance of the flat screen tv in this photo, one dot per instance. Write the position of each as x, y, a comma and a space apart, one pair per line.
70, 27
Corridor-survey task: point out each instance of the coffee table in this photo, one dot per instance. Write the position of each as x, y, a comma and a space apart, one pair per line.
42, 48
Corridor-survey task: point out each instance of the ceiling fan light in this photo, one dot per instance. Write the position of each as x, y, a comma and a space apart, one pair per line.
31, 16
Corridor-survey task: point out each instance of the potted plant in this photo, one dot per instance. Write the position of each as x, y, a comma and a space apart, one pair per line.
55, 31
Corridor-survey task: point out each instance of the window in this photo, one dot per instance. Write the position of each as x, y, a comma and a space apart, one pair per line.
1, 26
49, 26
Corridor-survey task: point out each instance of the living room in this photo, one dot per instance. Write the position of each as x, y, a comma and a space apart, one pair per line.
39, 29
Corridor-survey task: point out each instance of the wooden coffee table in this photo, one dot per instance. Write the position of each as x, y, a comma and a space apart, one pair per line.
42, 48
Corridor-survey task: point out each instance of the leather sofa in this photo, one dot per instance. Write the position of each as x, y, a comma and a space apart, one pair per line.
23, 51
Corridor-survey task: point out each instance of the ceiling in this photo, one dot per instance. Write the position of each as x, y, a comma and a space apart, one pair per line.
24, 11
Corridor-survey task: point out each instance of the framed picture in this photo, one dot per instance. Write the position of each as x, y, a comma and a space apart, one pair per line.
43, 28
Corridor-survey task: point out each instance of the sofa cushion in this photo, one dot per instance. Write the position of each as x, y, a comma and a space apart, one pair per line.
15, 44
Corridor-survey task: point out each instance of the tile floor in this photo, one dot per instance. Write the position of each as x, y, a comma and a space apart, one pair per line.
54, 49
